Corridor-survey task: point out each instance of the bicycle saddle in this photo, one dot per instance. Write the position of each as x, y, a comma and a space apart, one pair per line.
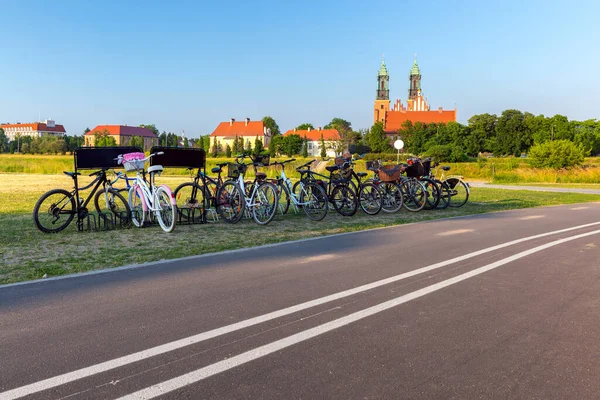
261, 175
155, 168
216, 170
361, 174
71, 174
331, 168
446, 168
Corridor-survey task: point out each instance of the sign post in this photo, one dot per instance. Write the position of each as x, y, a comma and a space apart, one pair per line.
398, 144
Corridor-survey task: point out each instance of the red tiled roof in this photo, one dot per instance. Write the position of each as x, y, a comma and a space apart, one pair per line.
315, 134
239, 128
395, 119
37, 126
123, 130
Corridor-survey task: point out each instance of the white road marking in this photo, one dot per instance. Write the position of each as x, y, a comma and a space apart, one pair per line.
579, 208
532, 217
455, 232
321, 257
178, 344
221, 366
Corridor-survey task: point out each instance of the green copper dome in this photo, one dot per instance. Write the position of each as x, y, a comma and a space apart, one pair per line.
415, 69
383, 70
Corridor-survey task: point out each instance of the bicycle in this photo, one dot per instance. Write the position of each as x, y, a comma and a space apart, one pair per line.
311, 197
386, 178
459, 190
147, 196
370, 195
57, 208
232, 201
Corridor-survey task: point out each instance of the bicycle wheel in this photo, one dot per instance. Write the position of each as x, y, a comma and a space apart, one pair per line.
370, 199
458, 191
230, 202
284, 198
112, 208
413, 192
445, 194
314, 201
264, 203
138, 208
344, 200
190, 201
167, 215
54, 211
432, 193
392, 197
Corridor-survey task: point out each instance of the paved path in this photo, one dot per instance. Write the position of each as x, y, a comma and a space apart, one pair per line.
501, 305
535, 188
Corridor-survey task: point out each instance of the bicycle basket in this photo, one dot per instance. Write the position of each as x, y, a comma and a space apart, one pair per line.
235, 170
416, 170
263, 160
339, 161
389, 173
133, 161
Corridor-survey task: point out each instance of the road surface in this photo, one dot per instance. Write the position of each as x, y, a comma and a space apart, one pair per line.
502, 305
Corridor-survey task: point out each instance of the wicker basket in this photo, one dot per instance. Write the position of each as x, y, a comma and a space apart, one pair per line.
389, 173
234, 170
133, 161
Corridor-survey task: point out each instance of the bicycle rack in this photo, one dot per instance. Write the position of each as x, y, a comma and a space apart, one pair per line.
88, 223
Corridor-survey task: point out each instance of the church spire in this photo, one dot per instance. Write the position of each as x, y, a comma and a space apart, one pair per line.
415, 81
383, 90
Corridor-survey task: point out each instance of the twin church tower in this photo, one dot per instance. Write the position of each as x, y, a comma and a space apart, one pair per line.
416, 110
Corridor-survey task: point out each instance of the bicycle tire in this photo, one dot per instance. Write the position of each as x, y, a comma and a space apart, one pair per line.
344, 200
190, 196
393, 199
459, 192
314, 201
231, 202
445, 195
113, 202
167, 216
284, 198
413, 192
138, 209
64, 198
370, 199
432, 193
265, 201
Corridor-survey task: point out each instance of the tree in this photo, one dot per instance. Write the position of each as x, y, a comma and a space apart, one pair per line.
236, 145
162, 139
305, 126
151, 128
276, 145
228, 151
3, 142
186, 142
292, 144
136, 141
214, 151
305, 148
323, 148
272, 125
104, 139
378, 140
512, 135
258, 146
248, 149
556, 154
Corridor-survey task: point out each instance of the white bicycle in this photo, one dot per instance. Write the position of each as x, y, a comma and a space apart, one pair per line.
146, 197
232, 200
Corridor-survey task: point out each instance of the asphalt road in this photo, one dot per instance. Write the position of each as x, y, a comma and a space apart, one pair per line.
503, 305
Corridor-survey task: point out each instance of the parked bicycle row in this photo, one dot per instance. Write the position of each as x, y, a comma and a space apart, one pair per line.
229, 196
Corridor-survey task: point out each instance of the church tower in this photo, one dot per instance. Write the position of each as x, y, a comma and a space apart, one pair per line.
415, 81
382, 101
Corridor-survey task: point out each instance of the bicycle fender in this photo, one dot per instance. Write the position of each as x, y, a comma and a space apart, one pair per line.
171, 195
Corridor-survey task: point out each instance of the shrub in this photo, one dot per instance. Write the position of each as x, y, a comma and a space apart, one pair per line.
447, 153
556, 154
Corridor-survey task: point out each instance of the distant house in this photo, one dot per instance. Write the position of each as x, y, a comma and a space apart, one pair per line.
34, 129
313, 137
247, 130
122, 135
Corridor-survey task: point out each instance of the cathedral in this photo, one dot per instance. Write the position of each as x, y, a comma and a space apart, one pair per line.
416, 110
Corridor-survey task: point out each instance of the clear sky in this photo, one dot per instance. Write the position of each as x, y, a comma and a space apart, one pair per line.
191, 64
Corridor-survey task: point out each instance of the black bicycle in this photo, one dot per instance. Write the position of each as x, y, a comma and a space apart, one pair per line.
57, 208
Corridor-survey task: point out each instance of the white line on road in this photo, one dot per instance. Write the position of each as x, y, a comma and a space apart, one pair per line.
532, 217
579, 208
221, 366
178, 344
455, 232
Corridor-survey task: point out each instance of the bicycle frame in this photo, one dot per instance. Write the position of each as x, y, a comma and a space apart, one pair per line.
288, 184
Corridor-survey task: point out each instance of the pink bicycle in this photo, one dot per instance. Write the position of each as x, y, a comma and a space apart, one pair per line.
146, 197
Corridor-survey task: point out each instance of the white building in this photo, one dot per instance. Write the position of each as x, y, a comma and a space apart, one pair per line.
35, 129
313, 137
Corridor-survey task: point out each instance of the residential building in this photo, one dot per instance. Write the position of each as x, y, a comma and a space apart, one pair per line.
417, 108
122, 135
34, 129
226, 133
313, 138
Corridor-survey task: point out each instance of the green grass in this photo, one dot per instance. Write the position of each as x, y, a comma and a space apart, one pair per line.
29, 254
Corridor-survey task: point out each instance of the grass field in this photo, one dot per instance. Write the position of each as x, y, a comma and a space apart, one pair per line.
29, 254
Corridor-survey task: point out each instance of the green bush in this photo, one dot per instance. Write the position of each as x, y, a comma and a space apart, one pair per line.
447, 153
556, 154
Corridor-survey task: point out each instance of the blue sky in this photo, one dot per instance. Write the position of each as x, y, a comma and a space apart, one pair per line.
191, 64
